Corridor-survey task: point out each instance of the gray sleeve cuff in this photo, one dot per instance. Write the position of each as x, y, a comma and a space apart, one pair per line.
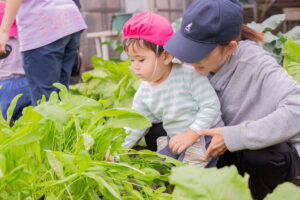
233, 139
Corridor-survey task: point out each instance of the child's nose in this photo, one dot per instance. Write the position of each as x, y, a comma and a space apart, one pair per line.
135, 66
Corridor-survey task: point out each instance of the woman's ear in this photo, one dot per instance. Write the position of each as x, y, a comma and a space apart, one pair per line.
231, 47
167, 57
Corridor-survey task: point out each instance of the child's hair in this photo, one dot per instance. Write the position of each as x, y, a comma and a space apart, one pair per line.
142, 43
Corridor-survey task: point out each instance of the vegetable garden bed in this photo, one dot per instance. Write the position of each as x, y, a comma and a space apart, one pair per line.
56, 150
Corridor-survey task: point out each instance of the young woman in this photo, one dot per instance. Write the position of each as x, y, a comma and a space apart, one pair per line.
260, 102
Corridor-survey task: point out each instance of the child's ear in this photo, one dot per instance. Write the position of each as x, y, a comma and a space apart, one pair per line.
167, 58
231, 47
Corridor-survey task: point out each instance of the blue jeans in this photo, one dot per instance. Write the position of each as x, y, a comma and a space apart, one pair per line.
11, 88
50, 64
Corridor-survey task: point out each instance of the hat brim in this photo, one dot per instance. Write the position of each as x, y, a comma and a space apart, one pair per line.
186, 49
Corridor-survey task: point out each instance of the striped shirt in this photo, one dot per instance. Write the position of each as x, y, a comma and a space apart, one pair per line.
185, 100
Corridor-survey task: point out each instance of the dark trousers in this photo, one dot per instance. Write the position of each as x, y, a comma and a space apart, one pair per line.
50, 64
11, 88
155, 132
267, 167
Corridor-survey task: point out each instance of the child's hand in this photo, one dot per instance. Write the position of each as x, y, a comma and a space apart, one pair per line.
3, 40
107, 157
182, 141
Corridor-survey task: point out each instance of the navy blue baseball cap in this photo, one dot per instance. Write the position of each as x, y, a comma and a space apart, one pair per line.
205, 24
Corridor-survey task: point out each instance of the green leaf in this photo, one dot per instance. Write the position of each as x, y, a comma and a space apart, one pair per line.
294, 32
273, 22
256, 26
269, 37
269, 24
124, 118
11, 108
284, 191
54, 113
2, 165
210, 183
83, 160
134, 194
103, 184
25, 135
96, 73
55, 163
88, 141
150, 174
51, 197
291, 50
291, 60
35, 146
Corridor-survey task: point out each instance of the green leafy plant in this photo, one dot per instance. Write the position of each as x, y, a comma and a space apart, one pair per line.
110, 80
274, 43
199, 183
284, 191
56, 150
291, 62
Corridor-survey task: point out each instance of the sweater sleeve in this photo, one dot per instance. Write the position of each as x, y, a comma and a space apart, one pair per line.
209, 113
280, 125
136, 134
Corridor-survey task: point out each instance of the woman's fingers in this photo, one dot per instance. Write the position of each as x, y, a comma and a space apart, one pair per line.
2, 49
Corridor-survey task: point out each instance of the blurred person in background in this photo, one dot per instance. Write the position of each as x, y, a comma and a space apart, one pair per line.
49, 33
12, 76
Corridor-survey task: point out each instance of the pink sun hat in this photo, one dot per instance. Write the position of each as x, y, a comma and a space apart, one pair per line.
13, 32
150, 27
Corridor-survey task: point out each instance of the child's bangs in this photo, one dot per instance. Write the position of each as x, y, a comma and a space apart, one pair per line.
135, 42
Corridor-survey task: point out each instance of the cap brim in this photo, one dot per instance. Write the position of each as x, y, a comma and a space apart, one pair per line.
186, 49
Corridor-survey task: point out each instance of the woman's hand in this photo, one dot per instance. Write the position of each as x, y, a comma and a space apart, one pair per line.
182, 141
4, 35
217, 145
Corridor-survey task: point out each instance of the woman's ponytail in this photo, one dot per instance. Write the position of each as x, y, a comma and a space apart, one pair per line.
250, 34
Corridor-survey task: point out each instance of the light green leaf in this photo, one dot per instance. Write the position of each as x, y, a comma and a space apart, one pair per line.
257, 27
124, 118
291, 62
96, 73
37, 150
26, 134
51, 197
102, 184
63, 94
269, 24
134, 194
285, 191
88, 141
2, 165
55, 163
150, 174
294, 32
83, 160
129, 120
54, 113
210, 183
269, 37
11, 108
273, 22
291, 50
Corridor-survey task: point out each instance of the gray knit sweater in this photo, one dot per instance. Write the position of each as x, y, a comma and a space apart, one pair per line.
260, 101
